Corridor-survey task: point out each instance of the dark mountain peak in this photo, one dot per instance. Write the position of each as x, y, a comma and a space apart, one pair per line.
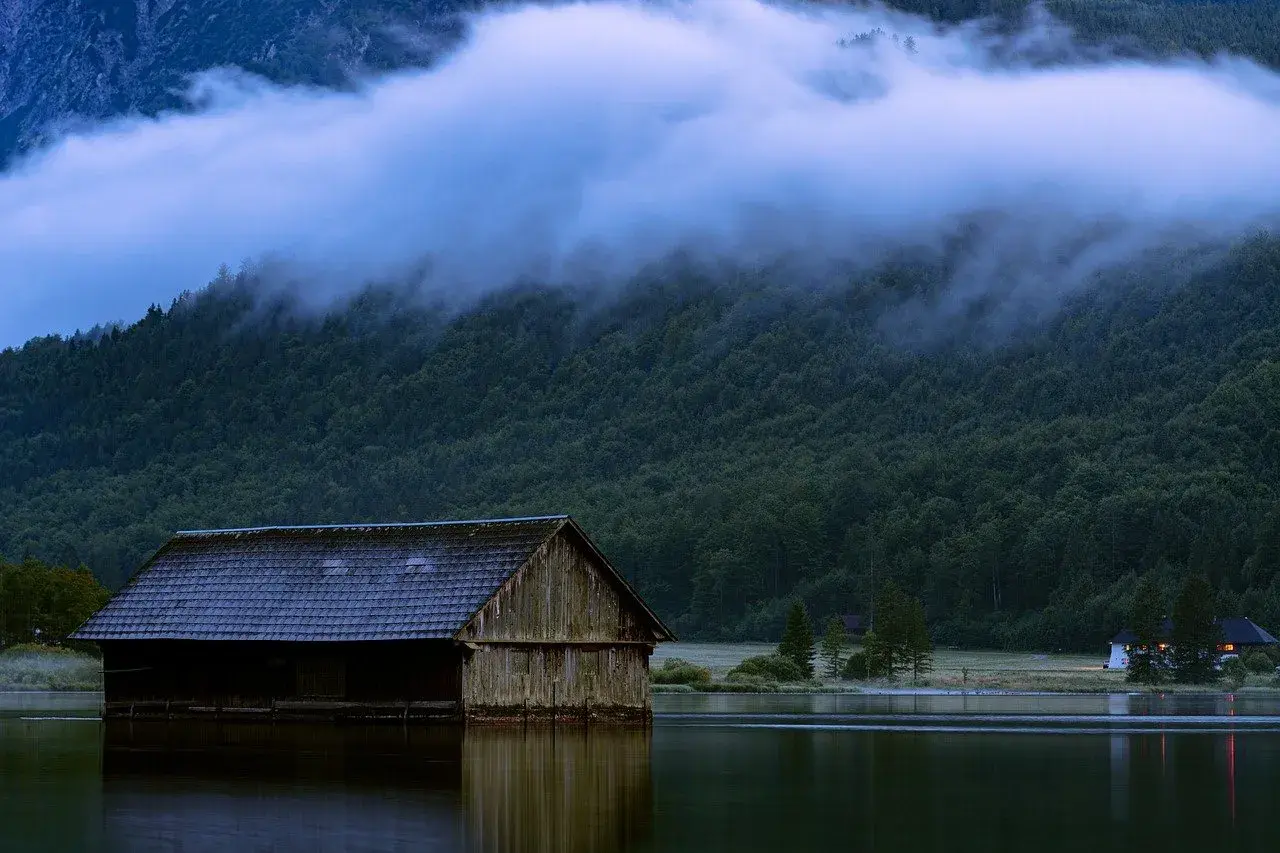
64, 63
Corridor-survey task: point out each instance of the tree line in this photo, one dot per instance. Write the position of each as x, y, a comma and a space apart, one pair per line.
733, 444
1160, 28
43, 604
897, 643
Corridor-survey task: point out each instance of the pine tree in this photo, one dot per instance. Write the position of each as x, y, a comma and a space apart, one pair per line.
1195, 634
833, 643
797, 639
877, 654
917, 644
893, 629
1146, 620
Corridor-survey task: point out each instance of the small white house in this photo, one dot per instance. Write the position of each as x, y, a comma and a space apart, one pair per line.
1119, 656
1122, 643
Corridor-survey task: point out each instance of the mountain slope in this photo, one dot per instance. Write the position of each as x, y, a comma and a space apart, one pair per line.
729, 444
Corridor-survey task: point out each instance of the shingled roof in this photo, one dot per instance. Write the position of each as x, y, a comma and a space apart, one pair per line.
1236, 630
350, 582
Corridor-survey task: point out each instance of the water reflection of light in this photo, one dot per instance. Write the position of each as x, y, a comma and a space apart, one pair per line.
571, 792
1231, 775
1119, 777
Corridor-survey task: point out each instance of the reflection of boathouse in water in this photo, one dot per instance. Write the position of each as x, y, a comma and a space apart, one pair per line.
510, 619
201, 785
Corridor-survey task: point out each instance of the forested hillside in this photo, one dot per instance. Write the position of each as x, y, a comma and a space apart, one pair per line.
1161, 27
730, 443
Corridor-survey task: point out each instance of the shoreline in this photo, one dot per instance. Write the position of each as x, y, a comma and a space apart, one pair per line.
961, 672
853, 690
1171, 690
955, 673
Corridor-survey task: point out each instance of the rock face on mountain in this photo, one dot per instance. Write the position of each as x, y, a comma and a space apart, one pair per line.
67, 62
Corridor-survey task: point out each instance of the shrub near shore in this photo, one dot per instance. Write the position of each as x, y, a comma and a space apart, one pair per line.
680, 671
954, 669
757, 674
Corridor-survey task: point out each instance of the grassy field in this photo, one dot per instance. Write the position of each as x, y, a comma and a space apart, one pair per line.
975, 670
39, 668
35, 668
717, 657
957, 670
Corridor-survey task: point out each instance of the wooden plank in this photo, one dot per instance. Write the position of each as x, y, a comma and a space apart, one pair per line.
602, 644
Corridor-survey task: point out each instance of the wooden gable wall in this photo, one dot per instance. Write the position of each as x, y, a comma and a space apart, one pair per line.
562, 594
560, 640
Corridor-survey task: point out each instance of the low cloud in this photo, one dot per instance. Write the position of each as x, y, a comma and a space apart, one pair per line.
579, 143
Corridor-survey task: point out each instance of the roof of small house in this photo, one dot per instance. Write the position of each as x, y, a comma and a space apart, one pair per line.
1236, 630
329, 583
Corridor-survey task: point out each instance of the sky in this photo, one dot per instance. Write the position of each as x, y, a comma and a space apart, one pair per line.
578, 143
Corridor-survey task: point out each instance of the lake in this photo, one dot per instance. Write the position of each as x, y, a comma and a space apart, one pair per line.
717, 772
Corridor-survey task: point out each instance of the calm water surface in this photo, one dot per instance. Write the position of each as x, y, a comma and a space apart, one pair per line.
731, 773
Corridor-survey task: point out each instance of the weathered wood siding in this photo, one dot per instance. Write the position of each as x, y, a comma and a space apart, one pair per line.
560, 595
558, 641
567, 682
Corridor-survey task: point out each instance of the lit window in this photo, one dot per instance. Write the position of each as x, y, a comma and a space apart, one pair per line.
1229, 647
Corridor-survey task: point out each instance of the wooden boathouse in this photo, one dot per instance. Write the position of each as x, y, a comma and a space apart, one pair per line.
500, 620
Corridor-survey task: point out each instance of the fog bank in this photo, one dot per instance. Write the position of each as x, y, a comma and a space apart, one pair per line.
578, 143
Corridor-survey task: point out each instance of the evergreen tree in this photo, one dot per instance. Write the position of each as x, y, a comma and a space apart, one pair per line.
1146, 620
877, 654
917, 644
833, 643
1195, 634
797, 639
893, 629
